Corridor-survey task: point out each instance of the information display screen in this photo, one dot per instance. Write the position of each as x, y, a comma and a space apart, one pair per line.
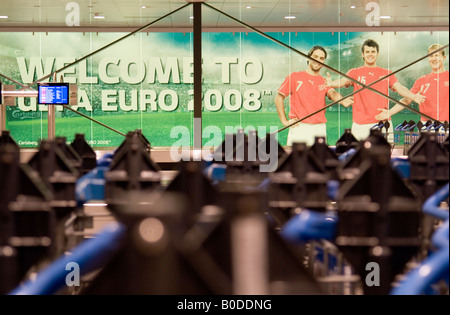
53, 93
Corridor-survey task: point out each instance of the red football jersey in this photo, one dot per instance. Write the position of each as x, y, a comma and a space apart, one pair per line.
434, 87
366, 103
307, 94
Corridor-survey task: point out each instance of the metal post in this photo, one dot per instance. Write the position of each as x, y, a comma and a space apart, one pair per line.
51, 122
51, 113
197, 128
2, 117
9, 94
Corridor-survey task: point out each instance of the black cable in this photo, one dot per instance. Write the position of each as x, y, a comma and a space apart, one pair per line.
367, 86
110, 44
334, 70
96, 121
16, 82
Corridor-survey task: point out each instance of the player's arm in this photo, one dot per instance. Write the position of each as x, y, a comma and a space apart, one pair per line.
386, 113
344, 82
335, 96
406, 93
279, 103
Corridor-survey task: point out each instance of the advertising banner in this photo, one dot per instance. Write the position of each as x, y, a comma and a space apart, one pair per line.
146, 81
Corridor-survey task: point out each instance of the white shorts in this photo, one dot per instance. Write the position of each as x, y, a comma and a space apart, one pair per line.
306, 133
361, 132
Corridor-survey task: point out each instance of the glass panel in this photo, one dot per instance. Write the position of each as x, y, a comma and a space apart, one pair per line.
143, 81
246, 65
399, 52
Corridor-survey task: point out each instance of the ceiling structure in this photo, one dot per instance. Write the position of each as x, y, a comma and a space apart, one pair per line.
52, 15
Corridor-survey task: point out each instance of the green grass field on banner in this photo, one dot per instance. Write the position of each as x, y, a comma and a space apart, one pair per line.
157, 128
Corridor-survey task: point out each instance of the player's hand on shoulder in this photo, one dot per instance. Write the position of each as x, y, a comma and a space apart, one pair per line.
290, 122
328, 80
347, 102
383, 115
419, 98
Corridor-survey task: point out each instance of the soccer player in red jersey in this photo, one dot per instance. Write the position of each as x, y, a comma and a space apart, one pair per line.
307, 90
434, 86
367, 104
